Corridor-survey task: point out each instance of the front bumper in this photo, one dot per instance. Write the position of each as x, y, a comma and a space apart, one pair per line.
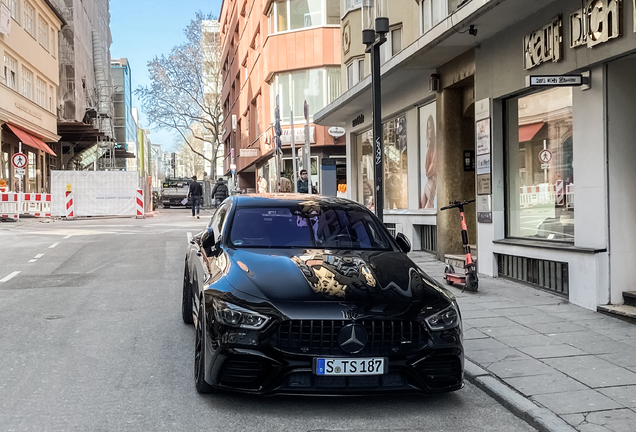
260, 368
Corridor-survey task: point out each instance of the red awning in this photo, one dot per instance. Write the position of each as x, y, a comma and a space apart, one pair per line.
30, 140
527, 132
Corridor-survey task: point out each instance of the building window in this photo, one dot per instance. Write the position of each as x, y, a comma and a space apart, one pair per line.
318, 87
14, 7
433, 12
52, 43
392, 46
32, 172
540, 198
50, 96
29, 18
11, 72
355, 72
289, 15
395, 166
27, 83
351, 4
43, 32
40, 97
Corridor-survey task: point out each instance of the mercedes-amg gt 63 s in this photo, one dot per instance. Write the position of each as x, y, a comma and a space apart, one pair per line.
302, 294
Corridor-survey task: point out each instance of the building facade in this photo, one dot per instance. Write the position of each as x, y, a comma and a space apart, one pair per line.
462, 119
285, 50
28, 91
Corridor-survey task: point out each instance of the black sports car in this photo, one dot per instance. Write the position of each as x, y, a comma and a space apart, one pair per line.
301, 294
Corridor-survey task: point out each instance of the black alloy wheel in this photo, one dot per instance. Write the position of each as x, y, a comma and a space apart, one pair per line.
186, 299
199, 356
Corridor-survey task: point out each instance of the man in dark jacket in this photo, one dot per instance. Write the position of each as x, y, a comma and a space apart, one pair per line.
303, 182
195, 192
220, 191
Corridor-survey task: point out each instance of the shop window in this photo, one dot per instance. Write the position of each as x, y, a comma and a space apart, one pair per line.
32, 174
540, 198
428, 156
4, 166
395, 166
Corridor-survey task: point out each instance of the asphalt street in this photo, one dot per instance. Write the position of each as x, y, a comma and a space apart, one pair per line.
91, 339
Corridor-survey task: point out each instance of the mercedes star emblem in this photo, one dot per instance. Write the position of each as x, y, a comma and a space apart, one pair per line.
353, 338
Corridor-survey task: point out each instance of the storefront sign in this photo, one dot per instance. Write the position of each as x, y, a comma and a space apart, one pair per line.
483, 184
336, 132
555, 80
483, 164
598, 22
484, 209
299, 135
252, 152
358, 120
543, 45
483, 136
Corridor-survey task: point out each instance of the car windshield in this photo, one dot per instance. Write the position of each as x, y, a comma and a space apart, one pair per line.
301, 226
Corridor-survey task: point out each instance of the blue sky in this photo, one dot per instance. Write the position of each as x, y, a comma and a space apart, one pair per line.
143, 29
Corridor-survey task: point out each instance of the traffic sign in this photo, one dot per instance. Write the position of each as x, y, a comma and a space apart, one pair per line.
19, 172
545, 156
19, 160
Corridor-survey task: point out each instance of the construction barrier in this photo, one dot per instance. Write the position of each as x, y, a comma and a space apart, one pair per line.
546, 194
35, 204
70, 206
140, 203
10, 206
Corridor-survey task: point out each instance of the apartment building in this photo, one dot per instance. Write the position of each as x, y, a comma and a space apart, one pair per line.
124, 125
285, 49
28, 90
463, 119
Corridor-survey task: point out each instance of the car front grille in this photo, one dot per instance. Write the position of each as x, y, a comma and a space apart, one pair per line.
243, 371
318, 337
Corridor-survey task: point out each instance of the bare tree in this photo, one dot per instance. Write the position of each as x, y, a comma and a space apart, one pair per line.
185, 90
188, 153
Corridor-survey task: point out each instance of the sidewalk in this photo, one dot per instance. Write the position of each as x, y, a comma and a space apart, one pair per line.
563, 359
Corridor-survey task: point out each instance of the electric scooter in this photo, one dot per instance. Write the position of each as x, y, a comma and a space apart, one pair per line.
469, 279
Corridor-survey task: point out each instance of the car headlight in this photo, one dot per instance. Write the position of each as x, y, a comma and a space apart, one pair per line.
235, 316
443, 320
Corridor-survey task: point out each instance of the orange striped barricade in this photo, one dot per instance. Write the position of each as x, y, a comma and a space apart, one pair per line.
35, 204
140, 203
70, 205
10, 206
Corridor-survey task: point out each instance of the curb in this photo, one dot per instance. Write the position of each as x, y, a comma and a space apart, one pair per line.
542, 419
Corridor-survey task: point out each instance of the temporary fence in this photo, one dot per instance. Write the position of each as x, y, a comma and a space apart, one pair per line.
35, 204
9, 206
547, 194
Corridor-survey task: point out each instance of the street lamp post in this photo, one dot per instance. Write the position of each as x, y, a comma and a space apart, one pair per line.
374, 12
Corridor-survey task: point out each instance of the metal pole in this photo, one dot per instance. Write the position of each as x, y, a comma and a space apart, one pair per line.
378, 147
307, 148
293, 148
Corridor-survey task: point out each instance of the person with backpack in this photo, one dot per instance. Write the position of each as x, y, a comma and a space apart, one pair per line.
220, 191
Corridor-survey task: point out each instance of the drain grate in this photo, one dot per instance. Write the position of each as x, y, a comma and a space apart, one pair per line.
551, 275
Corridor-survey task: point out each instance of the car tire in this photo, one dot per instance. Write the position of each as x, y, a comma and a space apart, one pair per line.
166, 206
199, 356
186, 298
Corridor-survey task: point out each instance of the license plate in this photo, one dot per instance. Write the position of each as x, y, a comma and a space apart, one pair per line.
350, 367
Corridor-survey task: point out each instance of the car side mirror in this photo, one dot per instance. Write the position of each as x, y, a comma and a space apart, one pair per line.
209, 241
403, 243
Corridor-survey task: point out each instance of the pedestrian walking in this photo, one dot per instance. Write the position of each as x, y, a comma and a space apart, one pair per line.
195, 192
285, 183
303, 182
220, 191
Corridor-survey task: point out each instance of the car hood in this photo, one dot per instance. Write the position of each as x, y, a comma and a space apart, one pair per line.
368, 278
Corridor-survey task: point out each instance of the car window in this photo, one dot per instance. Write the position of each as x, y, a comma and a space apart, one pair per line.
220, 217
316, 227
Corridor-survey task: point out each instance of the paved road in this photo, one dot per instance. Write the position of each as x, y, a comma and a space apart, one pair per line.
91, 339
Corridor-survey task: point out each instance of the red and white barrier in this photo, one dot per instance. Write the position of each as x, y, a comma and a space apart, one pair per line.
10, 206
35, 204
558, 194
70, 206
140, 203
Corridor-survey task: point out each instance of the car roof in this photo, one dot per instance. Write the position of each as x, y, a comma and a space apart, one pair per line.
285, 199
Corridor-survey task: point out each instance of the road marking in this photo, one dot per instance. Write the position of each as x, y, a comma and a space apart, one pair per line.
68, 236
53, 245
38, 256
189, 236
33, 260
11, 276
